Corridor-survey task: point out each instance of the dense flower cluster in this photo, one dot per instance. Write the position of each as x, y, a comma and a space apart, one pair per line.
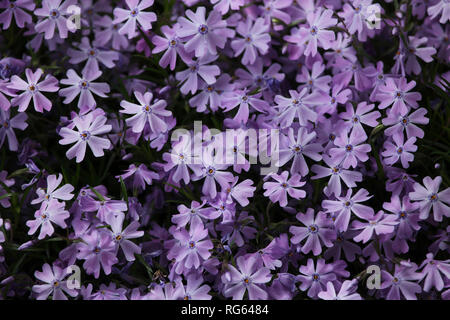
349, 100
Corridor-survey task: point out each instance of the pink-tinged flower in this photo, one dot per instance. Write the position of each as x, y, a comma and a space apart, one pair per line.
278, 191
397, 124
197, 70
430, 197
413, 51
196, 213
93, 55
435, 10
98, 250
401, 150
299, 106
16, 8
401, 283
224, 5
135, 13
346, 291
87, 130
395, 92
317, 232
166, 291
297, 148
355, 119
244, 100
341, 49
83, 87
55, 283
121, 237
7, 125
172, 46
348, 70
4, 202
192, 248
50, 212
5, 104
345, 206
380, 223
109, 32
109, 292
53, 192
141, 176
337, 174
339, 95
315, 278
350, 149
432, 272
255, 37
316, 34
105, 208
314, 81
32, 89
213, 172
204, 35
250, 276
274, 9
54, 15
240, 191
146, 112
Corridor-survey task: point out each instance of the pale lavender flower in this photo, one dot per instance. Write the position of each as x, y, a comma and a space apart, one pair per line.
16, 8
141, 176
440, 6
55, 283
121, 237
53, 192
401, 150
315, 278
346, 291
402, 281
133, 15
278, 191
172, 46
224, 5
7, 126
432, 270
194, 290
244, 100
86, 133
32, 89
146, 112
314, 81
397, 123
50, 212
350, 149
55, 14
196, 213
396, 92
380, 223
414, 50
356, 118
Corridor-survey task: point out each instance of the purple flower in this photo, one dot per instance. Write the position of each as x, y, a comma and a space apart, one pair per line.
198, 70
316, 231
204, 35
402, 281
110, 32
255, 37
16, 8
54, 15
278, 191
398, 123
135, 13
241, 191
380, 223
172, 46
53, 192
396, 92
141, 176
93, 55
87, 131
407, 214
55, 283
244, 100
33, 89
224, 5
346, 291
7, 125
431, 272
192, 248
399, 151
357, 16
273, 9
122, 236
337, 174
50, 212
413, 51
212, 94
344, 206
435, 10
83, 87
250, 277
98, 250
298, 148
316, 34
146, 112
313, 81
355, 119
350, 149
315, 278
196, 213
194, 290
430, 197
3, 193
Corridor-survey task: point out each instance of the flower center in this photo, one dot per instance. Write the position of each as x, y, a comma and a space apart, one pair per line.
316, 277
313, 228
402, 214
335, 170
118, 237
84, 85
434, 197
147, 109
6, 124
191, 244
349, 148
173, 42
203, 29
32, 88
55, 284
209, 88
246, 280
134, 12
400, 150
248, 39
85, 135
284, 185
54, 13
313, 30
92, 52
333, 100
399, 94
210, 171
